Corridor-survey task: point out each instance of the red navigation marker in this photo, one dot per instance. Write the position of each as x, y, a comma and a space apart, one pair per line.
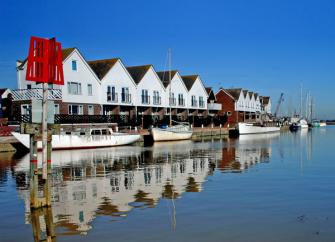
45, 61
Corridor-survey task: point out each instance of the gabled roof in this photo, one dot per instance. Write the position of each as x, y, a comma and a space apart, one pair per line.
138, 72
234, 92
101, 67
266, 100
256, 95
189, 81
208, 90
250, 94
245, 93
65, 53
164, 76
2, 90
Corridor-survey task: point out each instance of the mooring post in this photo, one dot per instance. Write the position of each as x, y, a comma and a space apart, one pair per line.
33, 172
49, 151
45, 132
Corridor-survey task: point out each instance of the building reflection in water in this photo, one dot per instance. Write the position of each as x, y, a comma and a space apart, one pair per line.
111, 182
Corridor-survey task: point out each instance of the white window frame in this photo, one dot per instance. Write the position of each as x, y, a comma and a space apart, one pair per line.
90, 110
89, 89
56, 110
76, 64
80, 109
71, 90
25, 109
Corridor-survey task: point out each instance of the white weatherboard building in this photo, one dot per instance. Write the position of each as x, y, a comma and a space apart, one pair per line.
107, 87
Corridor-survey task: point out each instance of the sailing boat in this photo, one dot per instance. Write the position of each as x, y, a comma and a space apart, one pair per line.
179, 131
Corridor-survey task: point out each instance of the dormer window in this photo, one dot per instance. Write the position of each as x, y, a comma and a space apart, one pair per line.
74, 65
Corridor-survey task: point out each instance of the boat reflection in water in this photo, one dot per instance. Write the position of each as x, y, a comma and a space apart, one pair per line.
246, 151
114, 181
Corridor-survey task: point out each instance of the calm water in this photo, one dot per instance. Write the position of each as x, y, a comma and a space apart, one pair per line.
276, 187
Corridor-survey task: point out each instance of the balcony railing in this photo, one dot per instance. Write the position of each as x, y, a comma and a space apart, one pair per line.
201, 104
172, 101
126, 98
214, 106
194, 103
157, 100
145, 99
112, 97
181, 102
36, 93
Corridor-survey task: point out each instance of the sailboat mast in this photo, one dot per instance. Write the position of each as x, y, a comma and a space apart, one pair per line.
170, 86
300, 100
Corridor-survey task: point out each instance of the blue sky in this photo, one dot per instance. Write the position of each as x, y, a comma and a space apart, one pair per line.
267, 46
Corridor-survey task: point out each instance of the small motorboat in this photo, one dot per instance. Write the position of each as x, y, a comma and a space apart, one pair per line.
294, 127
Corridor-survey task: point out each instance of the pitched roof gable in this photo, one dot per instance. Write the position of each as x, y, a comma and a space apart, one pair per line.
138, 72
234, 92
266, 100
164, 76
250, 95
189, 81
101, 67
245, 93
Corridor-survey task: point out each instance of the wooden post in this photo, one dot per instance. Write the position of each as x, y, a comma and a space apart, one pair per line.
45, 132
33, 172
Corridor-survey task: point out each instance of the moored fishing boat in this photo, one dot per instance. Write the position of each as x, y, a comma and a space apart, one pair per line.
249, 128
93, 138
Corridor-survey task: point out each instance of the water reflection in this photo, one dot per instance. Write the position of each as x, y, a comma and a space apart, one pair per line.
112, 182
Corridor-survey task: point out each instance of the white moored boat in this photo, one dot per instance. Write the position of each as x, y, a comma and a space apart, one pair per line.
95, 138
248, 128
303, 124
176, 132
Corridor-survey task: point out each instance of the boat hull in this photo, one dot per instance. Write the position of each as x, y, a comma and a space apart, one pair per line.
63, 142
244, 128
167, 135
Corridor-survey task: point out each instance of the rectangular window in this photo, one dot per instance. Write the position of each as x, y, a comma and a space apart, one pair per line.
145, 97
56, 108
90, 110
181, 99
28, 86
89, 89
201, 102
74, 88
75, 109
25, 109
125, 96
156, 98
74, 65
193, 101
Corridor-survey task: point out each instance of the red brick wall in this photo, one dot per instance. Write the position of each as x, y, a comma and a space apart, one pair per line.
228, 105
64, 108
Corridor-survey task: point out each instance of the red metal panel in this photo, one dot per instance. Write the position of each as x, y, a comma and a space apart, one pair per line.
45, 61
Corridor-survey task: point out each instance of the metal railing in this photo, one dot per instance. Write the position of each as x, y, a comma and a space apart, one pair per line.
112, 97
157, 100
201, 104
194, 103
181, 102
145, 99
35, 94
172, 101
126, 98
